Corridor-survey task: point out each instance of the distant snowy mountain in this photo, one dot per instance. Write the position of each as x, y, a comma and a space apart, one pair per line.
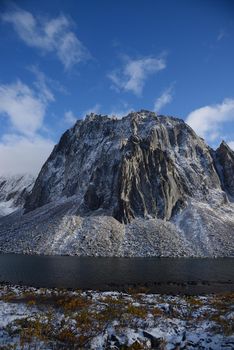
14, 190
143, 185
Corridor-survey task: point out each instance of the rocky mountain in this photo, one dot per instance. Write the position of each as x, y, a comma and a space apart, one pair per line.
224, 157
140, 185
14, 190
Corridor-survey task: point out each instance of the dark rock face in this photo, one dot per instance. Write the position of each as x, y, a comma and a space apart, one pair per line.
136, 166
225, 167
148, 183
91, 199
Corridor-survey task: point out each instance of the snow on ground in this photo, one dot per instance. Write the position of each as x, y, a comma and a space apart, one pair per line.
7, 207
62, 319
13, 191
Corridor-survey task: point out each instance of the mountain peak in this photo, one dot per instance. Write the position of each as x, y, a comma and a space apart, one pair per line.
223, 145
140, 185
129, 167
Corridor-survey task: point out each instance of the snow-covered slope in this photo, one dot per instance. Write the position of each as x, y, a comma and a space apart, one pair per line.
140, 185
13, 191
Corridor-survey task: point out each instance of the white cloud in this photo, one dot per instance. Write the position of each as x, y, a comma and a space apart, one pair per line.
164, 99
19, 154
69, 118
22, 149
208, 121
133, 74
231, 145
23, 106
49, 35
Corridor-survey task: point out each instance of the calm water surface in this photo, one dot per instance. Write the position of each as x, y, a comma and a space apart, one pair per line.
158, 274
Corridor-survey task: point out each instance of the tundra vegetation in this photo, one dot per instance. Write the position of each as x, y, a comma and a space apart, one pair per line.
72, 319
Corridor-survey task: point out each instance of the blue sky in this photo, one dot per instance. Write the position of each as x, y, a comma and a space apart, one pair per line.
62, 59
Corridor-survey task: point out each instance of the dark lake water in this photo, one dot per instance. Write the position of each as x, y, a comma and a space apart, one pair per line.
166, 275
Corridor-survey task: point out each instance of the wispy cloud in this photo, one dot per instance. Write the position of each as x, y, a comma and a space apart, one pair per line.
134, 72
53, 35
222, 33
231, 145
45, 83
119, 113
70, 118
41, 85
120, 110
208, 121
164, 99
20, 154
116, 111
95, 109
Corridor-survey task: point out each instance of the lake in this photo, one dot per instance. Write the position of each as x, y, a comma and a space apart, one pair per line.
162, 275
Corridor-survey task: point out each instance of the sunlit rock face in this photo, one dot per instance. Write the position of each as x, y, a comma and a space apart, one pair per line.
139, 165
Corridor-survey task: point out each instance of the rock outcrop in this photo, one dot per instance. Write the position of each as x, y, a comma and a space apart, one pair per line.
136, 166
141, 185
225, 166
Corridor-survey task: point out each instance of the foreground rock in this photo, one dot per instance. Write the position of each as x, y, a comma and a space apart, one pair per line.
137, 186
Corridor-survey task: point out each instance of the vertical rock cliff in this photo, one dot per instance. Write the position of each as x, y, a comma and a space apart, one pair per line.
224, 157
